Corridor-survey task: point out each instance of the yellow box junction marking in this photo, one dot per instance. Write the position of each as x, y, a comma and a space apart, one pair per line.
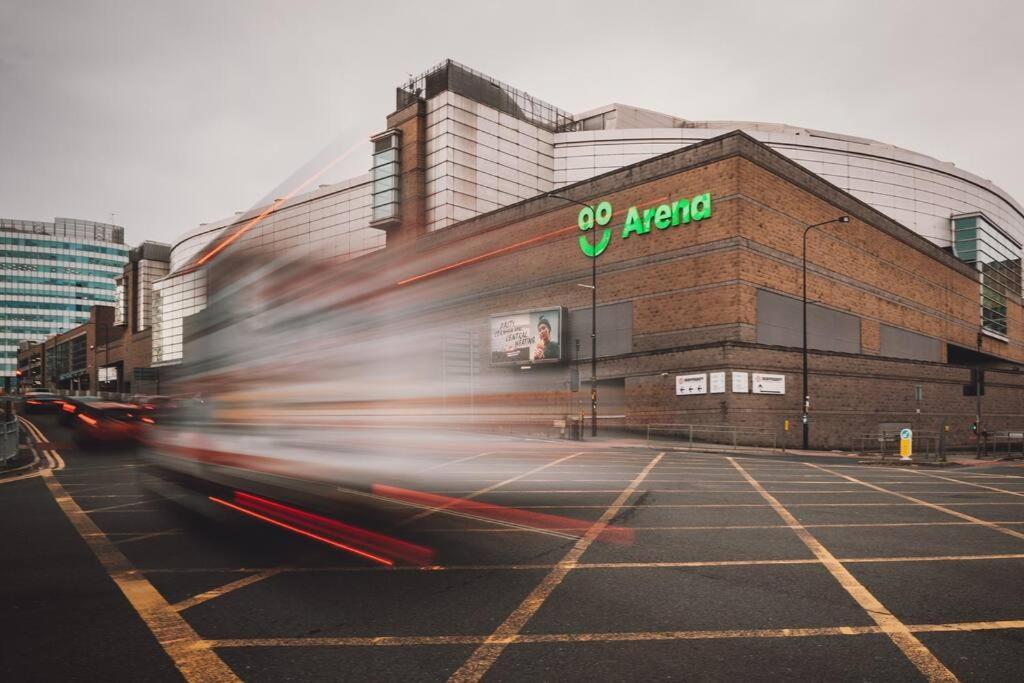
480, 662
914, 650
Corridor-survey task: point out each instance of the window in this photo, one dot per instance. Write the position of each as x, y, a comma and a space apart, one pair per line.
978, 241
119, 306
386, 172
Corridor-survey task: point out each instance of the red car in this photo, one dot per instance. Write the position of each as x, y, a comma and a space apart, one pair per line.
40, 402
106, 422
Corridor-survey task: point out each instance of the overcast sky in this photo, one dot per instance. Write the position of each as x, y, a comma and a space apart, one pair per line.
170, 114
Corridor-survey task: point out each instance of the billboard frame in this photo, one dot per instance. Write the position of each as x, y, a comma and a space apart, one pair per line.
562, 320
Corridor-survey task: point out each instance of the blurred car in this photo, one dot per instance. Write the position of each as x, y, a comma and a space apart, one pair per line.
154, 402
40, 402
106, 422
153, 407
163, 409
71, 405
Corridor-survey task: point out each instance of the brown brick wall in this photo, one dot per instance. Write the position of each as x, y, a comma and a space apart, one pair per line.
694, 291
857, 268
411, 123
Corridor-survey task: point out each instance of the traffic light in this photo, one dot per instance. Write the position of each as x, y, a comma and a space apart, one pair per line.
974, 427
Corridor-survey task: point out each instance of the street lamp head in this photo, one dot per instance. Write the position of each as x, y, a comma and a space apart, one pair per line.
843, 219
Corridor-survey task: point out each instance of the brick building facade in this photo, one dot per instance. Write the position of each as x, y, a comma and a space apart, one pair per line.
112, 352
895, 325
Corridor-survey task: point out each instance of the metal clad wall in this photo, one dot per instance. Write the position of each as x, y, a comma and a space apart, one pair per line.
780, 323
899, 343
614, 330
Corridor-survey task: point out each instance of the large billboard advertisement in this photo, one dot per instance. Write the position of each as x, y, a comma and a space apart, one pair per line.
527, 337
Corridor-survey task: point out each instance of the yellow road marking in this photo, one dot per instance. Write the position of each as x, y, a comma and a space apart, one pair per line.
155, 534
970, 626
79, 496
431, 509
454, 462
582, 565
441, 508
30, 475
123, 505
224, 590
967, 483
912, 648
570, 506
391, 641
941, 508
474, 668
734, 527
175, 636
181, 643
674, 491
55, 461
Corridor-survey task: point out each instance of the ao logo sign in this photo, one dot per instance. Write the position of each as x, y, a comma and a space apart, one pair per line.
661, 217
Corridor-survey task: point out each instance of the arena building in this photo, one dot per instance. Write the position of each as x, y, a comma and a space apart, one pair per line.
914, 297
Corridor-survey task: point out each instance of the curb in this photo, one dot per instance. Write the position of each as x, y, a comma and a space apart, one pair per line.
9, 473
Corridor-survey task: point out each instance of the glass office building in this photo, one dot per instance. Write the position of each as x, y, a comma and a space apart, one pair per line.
50, 275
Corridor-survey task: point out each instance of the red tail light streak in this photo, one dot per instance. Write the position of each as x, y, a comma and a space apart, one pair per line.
504, 515
274, 206
487, 255
367, 544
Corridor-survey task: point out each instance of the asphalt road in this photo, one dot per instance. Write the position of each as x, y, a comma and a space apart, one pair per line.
753, 568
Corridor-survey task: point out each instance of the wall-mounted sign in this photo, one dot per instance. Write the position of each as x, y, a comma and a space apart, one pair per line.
717, 383
740, 382
526, 337
661, 217
687, 385
768, 384
106, 374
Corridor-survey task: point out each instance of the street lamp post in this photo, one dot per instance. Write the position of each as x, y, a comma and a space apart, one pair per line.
593, 325
806, 392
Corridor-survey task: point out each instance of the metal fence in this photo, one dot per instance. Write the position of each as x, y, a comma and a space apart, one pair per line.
705, 436
928, 446
1009, 444
8, 432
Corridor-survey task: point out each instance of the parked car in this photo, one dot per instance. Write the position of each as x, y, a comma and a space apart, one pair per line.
40, 402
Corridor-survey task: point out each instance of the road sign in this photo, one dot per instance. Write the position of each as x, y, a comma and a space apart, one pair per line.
687, 385
906, 444
768, 384
717, 383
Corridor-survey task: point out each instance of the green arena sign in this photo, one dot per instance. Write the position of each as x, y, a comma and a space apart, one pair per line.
662, 217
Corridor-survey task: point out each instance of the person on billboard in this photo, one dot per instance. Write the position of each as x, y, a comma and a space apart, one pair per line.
545, 348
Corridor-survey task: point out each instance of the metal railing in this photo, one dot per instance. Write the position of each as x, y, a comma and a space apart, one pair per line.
8, 432
1008, 444
706, 436
927, 446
